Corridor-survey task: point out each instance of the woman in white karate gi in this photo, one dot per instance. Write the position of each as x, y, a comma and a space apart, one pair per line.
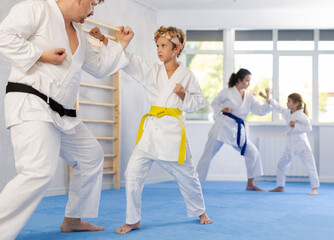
171, 89
231, 106
297, 143
48, 49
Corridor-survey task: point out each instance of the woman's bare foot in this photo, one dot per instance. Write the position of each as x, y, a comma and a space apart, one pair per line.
314, 191
204, 219
128, 227
252, 186
277, 189
76, 225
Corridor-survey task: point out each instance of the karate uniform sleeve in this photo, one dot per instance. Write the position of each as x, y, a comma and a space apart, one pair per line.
279, 108
218, 103
258, 108
302, 124
108, 60
140, 69
194, 99
16, 29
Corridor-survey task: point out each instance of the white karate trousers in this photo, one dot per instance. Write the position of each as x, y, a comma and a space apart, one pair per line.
306, 157
212, 146
37, 146
185, 175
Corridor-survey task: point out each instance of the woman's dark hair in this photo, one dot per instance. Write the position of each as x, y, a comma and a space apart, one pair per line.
297, 98
241, 74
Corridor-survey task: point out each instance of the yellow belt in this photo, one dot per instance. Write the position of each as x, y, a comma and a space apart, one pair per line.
160, 112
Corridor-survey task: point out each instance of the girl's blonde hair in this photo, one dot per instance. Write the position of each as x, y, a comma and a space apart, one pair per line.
173, 32
297, 98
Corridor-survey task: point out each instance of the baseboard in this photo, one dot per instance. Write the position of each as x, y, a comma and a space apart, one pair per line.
56, 191
327, 179
226, 178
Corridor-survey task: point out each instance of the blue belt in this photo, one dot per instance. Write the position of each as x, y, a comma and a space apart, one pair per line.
239, 121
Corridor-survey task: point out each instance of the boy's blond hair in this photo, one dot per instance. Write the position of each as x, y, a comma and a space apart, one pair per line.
173, 32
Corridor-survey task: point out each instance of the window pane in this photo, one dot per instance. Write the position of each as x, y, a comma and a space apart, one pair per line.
326, 88
295, 45
208, 69
253, 40
295, 40
326, 41
204, 45
254, 45
204, 39
261, 67
295, 75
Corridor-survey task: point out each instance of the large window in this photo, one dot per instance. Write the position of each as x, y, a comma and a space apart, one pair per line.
204, 56
326, 88
286, 61
253, 51
295, 75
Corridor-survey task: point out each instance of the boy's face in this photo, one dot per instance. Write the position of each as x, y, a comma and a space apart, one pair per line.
165, 49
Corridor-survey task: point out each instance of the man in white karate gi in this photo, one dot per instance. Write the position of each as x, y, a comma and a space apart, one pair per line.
48, 49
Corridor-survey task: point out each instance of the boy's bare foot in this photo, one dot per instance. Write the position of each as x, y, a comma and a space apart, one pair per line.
76, 225
204, 219
314, 191
128, 227
278, 189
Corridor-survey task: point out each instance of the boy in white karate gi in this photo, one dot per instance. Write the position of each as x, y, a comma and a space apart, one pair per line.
171, 89
231, 106
297, 143
47, 49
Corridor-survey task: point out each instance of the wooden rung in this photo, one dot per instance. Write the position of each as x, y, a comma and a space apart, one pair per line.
103, 24
106, 138
98, 103
97, 86
109, 172
99, 121
106, 35
108, 164
110, 155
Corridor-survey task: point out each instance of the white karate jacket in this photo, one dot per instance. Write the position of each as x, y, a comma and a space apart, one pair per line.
161, 137
297, 135
225, 128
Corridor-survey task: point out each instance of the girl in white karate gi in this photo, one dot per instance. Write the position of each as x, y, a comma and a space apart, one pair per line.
171, 89
231, 106
297, 143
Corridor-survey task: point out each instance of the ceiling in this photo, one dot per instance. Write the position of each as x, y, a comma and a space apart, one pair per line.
236, 4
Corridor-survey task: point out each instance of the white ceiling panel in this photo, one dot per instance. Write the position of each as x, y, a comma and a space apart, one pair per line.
236, 4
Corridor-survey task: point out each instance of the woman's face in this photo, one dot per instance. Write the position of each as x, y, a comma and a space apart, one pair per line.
244, 83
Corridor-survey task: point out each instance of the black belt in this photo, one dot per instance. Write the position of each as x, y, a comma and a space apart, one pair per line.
19, 87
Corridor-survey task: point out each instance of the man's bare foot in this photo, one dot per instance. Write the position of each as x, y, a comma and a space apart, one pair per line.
278, 189
76, 225
252, 186
204, 219
314, 191
128, 227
